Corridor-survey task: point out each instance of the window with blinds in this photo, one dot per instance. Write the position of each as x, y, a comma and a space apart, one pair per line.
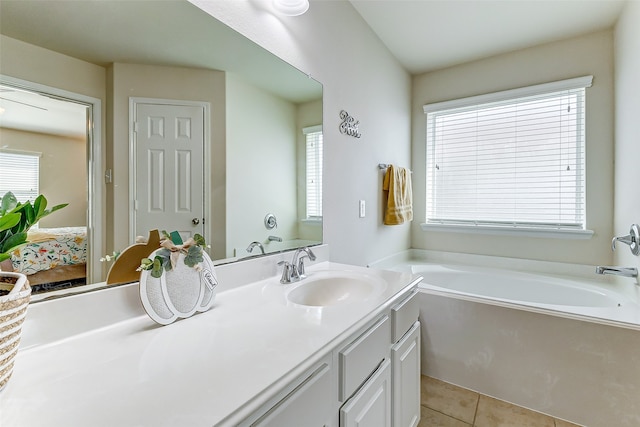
19, 173
313, 137
510, 159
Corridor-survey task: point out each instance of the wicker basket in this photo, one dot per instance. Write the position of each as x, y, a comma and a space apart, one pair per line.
13, 309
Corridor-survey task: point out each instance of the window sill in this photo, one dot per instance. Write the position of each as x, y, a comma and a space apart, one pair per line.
510, 231
314, 221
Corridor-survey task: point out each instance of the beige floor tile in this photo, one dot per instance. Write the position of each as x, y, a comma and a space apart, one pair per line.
431, 418
496, 413
449, 399
561, 423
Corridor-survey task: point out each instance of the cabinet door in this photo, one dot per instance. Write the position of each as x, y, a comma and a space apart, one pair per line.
371, 405
309, 404
405, 361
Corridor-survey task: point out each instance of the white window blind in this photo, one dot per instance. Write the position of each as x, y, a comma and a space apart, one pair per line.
19, 173
509, 159
313, 137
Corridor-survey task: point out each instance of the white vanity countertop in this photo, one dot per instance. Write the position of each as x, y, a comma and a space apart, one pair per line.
214, 368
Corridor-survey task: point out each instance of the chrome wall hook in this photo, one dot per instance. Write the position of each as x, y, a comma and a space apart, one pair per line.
632, 239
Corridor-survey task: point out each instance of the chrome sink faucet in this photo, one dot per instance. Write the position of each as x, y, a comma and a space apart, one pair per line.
298, 261
294, 271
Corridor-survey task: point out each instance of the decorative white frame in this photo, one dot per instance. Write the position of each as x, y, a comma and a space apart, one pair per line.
205, 296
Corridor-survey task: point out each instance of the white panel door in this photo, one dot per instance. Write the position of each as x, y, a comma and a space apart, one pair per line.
169, 185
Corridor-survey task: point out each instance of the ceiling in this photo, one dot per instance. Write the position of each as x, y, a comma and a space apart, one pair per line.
157, 32
426, 35
34, 112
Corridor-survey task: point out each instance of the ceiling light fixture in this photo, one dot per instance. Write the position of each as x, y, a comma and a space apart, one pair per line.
291, 7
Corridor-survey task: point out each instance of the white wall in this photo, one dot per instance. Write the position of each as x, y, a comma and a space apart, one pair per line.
63, 172
587, 55
627, 109
179, 83
333, 44
261, 165
35, 64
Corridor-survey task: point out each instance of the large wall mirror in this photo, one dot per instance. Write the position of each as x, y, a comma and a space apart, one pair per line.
85, 85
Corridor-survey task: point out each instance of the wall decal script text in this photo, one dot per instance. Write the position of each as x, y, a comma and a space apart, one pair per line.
349, 125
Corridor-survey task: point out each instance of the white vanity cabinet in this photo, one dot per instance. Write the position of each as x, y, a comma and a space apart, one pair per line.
256, 359
372, 379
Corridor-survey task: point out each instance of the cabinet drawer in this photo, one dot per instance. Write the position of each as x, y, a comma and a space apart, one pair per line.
404, 315
358, 360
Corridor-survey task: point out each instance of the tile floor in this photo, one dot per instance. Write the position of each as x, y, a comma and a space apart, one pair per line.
447, 405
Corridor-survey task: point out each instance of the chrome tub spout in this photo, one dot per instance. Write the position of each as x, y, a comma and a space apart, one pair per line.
253, 245
617, 271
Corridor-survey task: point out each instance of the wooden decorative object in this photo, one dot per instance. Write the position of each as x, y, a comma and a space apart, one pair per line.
125, 267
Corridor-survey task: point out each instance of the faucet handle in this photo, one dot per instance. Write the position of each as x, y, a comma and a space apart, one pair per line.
287, 272
632, 239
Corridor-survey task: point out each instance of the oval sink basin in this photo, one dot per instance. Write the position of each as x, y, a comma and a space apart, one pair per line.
323, 290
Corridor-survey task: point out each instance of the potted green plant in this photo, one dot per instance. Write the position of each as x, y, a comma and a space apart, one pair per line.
15, 220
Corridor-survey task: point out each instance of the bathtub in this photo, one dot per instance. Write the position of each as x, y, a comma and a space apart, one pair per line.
573, 298
567, 347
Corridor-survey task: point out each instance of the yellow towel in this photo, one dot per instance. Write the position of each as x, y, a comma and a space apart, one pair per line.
397, 186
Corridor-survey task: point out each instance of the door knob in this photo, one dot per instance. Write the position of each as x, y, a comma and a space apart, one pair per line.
195, 221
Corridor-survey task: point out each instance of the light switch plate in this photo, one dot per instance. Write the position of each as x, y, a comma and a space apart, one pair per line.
362, 209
